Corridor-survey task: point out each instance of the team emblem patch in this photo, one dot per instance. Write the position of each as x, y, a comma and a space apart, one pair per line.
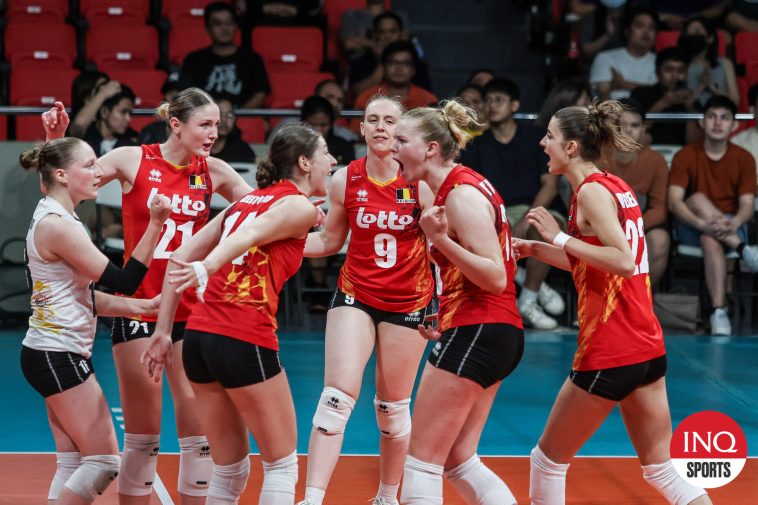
404, 195
197, 181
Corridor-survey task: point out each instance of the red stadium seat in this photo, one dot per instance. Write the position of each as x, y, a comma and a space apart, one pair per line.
115, 11
3, 127
289, 48
39, 87
746, 47
37, 10
288, 90
188, 37
182, 11
751, 73
146, 85
669, 38
122, 46
253, 129
31, 43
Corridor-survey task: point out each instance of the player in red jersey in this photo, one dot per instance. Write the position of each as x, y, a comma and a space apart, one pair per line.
621, 359
480, 333
182, 169
383, 291
234, 369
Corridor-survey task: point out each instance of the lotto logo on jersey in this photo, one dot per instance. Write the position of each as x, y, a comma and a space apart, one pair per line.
708, 449
197, 181
404, 195
383, 220
180, 204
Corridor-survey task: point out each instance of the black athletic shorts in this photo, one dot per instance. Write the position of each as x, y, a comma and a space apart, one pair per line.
409, 320
125, 329
51, 372
619, 382
484, 353
209, 357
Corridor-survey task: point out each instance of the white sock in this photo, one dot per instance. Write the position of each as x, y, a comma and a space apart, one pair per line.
314, 494
388, 492
422, 483
478, 484
520, 277
527, 296
547, 479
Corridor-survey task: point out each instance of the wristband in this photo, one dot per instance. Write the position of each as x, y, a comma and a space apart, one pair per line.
202, 278
561, 239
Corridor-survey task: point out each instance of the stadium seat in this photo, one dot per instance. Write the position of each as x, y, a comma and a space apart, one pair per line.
122, 46
3, 127
182, 11
289, 48
253, 129
188, 37
746, 47
31, 43
669, 38
146, 85
751, 72
37, 10
114, 11
39, 87
288, 90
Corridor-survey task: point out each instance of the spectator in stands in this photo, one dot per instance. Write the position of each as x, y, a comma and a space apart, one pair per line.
748, 139
88, 92
647, 173
157, 131
669, 94
674, 13
743, 16
319, 113
712, 195
600, 25
509, 156
399, 62
332, 91
365, 69
229, 145
708, 74
111, 128
356, 26
224, 69
616, 72
471, 96
481, 76
568, 92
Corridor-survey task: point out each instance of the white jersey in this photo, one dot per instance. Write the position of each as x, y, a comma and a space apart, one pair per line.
63, 307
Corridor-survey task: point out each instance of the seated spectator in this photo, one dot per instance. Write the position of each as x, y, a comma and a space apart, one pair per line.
224, 69
510, 157
600, 25
480, 77
748, 139
399, 62
319, 113
743, 16
365, 69
708, 74
712, 195
88, 92
669, 94
157, 131
471, 96
332, 91
616, 72
356, 27
568, 92
229, 145
111, 127
647, 173
674, 13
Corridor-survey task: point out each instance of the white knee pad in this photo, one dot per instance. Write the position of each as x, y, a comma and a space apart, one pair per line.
228, 482
547, 479
671, 485
422, 483
393, 418
478, 484
66, 464
195, 466
139, 460
93, 476
333, 411
279, 481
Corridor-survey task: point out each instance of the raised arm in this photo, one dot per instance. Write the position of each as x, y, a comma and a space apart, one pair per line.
331, 239
226, 181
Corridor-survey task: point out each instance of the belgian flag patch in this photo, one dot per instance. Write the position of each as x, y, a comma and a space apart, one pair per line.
404, 195
197, 181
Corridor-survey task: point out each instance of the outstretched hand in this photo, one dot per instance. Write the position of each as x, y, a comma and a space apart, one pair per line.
185, 277
544, 222
158, 354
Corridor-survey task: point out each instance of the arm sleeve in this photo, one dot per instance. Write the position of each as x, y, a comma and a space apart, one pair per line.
126, 280
679, 175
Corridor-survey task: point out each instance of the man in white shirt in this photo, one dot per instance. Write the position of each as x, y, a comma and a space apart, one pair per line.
748, 139
616, 72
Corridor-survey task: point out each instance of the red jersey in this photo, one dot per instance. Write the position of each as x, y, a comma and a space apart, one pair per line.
190, 190
386, 266
242, 297
617, 326
461, 301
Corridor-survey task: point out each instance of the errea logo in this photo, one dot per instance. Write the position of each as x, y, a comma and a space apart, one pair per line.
154, 175
362, 195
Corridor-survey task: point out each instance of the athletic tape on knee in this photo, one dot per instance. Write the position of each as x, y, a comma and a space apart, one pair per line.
279, 481
66, 464
478, 484
93, 476
393, 418
195, 466
333, 411
228, 482
139, 460
422, 483
670, 484
547, 479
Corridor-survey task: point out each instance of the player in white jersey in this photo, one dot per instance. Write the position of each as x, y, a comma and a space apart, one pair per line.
63, 265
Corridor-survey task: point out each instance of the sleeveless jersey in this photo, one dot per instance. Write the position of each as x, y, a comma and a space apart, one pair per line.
617, 326
190, 191
242, 297
386, 266
63, 301
461, 301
